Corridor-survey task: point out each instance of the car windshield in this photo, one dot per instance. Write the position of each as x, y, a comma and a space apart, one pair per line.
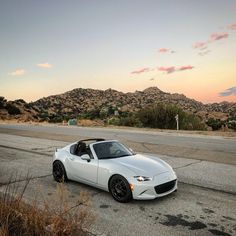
109, 150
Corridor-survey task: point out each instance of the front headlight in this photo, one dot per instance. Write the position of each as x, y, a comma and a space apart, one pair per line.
142, 178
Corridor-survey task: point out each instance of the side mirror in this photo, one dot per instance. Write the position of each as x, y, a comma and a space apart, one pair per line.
85, 157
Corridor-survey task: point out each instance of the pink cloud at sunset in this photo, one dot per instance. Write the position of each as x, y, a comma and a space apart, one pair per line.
140, 71
186, 67
168, 70
232, 26
199, 45
218, 36
163, 50
166, 50
171, 69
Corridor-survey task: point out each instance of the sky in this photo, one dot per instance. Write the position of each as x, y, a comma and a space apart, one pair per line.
49, 47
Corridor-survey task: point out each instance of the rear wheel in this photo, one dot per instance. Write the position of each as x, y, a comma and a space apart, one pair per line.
59, 172
120, 189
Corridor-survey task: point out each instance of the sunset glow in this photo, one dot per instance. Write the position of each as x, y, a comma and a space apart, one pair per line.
186, 47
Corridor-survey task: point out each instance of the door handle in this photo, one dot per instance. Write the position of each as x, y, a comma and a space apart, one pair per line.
72, 158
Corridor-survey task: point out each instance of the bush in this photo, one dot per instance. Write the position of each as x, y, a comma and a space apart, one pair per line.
215, 124
12, 110
232, 125
114, 121
55, 119
91, 114
130, 120
55, 218
163, 117
2, 102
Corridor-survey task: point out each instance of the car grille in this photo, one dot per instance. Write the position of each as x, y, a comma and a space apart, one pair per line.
162, 188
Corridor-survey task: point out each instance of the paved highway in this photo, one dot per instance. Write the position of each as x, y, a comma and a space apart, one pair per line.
211, 148
205, 203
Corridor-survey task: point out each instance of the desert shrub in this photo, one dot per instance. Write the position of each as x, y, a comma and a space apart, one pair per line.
159, 116
44, 116
163, 116
215, 124
131, 120
12, 109
20, 101
91, 114
191, 122
28, 105
55, 217
114, 121
55, 119
232, 125
2, 102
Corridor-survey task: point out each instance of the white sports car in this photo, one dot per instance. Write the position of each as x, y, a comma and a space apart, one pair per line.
111, 166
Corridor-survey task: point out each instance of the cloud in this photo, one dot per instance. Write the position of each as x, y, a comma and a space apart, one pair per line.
166, 50
185, 68
203, 53
44, 65
228, 92
213, 37
163, 50
218, 36
199, 45
204, 48
172, 69
232, 26
140, 71
168, 70
18, 72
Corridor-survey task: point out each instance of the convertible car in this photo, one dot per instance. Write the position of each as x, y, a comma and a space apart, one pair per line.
111, 166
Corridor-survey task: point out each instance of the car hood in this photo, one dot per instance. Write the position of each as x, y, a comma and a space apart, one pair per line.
144, 165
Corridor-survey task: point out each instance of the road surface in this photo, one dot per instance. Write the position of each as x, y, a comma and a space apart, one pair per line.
201, 147
205, 203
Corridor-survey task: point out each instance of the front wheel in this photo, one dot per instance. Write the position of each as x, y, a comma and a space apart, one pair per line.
59, 172
120, 189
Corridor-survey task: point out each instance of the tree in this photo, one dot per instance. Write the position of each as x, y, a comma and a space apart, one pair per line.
163, 116
215, 124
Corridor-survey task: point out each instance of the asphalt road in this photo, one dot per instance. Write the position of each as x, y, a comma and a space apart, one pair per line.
202, 205
201, 147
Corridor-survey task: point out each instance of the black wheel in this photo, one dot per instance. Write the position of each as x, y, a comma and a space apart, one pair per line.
59, 172
120, 189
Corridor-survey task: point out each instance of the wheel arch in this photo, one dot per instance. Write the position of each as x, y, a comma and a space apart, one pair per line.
109, 180
63, 165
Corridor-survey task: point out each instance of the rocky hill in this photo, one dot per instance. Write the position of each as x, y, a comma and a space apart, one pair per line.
79, 101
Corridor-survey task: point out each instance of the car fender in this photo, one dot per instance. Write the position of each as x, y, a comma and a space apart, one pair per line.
107, 169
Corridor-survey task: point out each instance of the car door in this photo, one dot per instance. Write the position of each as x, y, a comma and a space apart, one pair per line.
83, 170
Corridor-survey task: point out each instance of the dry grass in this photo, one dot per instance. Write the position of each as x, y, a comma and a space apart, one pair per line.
43, 218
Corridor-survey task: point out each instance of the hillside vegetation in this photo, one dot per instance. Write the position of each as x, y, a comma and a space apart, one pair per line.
118, 108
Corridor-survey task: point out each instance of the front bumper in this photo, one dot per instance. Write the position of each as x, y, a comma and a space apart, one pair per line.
161, 185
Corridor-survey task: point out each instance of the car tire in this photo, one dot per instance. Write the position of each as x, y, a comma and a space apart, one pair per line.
120, 189
59, 172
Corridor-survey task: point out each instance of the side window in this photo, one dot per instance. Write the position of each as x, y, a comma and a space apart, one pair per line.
84, 149
73, 149
81, 149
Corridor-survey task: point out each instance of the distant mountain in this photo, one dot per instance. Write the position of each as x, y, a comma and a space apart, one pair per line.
78, 101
